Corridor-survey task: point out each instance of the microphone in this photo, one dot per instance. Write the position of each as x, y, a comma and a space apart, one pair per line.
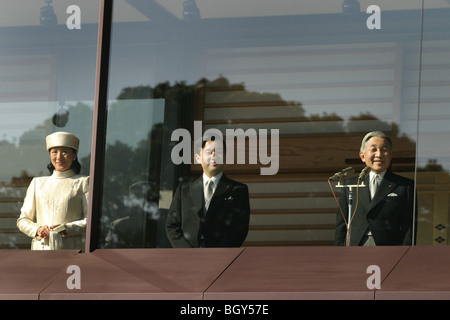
364, 173
339, 175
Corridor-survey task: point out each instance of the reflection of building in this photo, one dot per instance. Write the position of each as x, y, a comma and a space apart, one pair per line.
323, 79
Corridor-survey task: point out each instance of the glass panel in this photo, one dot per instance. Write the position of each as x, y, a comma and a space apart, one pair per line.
132, 173
317, 75
47, 80
434, 126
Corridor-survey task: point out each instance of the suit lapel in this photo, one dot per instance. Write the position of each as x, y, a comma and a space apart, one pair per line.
364, 194
386, 186
222, 189
196, 194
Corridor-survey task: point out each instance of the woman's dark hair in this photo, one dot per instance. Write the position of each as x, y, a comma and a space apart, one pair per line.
76, 166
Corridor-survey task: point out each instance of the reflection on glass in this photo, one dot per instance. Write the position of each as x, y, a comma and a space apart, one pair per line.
316, 73
54, 212
47, 76
383, 212
23, 155
433, 177
132, 173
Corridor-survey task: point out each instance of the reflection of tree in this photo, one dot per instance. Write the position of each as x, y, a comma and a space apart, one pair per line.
132, 170
179, 96
132, 173
358, 123
231, 93
120, 174
130, 214
431, 166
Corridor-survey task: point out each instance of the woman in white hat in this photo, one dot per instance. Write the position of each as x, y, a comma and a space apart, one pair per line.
55, 207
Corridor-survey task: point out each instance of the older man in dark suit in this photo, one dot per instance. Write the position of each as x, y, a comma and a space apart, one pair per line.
212, 211
385, 211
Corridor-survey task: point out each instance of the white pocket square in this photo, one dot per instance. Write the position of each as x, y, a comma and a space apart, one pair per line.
229, 198
392, 194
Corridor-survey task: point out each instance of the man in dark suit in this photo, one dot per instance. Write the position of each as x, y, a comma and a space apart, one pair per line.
385, 207
197, 219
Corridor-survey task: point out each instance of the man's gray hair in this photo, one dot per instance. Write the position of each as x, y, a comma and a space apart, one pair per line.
372, 134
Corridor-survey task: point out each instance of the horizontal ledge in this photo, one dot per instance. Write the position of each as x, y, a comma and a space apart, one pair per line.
274, 120
280, 103
293, 211
293, 227
287, 243
6, 200
291, 195
10, 231
9, 215
18, 182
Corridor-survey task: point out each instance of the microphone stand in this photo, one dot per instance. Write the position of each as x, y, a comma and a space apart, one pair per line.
350, 204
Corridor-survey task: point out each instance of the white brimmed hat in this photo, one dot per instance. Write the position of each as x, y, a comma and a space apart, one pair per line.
62, 139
